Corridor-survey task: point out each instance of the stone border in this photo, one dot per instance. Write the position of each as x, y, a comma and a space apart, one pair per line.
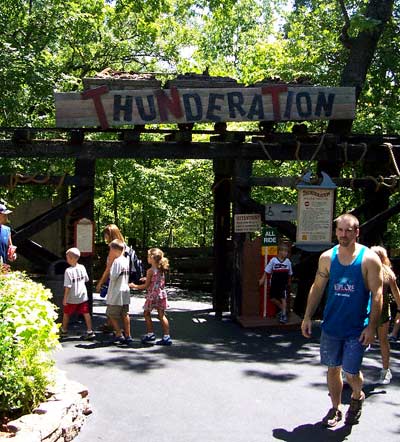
60, 418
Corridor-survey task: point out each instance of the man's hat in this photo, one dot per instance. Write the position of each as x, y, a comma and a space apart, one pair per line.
4, 210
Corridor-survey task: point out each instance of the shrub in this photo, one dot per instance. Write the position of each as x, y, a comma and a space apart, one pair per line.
28, 335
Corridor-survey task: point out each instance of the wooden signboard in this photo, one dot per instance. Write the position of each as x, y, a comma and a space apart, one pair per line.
315, 213
246, 223
103, 107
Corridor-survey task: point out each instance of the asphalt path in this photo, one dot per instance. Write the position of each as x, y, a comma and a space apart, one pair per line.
218, 382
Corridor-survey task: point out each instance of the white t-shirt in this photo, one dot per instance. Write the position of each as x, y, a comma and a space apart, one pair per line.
118, 291
74, 279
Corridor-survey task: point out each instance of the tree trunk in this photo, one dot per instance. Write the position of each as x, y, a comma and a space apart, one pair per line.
361, 54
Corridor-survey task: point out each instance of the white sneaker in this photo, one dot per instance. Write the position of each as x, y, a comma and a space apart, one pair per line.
386, 376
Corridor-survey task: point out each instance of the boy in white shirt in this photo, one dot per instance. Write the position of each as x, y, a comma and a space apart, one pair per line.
279, 269
118, 294
75, 293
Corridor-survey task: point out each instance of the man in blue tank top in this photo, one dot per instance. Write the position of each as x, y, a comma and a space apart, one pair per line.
5, 234
350, 317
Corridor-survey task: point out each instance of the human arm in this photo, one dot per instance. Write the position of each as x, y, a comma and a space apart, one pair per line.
395, 291
316, 292
106, 273
263, 278
374, 279
66, 291
11, 251
146, 283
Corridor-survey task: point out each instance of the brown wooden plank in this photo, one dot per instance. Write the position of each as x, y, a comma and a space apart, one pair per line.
287, 150
206, 105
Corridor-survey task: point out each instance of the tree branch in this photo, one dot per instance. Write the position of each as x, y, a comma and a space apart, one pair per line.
344, 36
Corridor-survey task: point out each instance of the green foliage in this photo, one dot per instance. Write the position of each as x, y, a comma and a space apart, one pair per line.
156, 202
28, 335
53, 45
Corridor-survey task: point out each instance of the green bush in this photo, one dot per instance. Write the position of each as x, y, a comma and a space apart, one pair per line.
28, 335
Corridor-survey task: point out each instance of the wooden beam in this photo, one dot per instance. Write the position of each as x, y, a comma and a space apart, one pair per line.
292, 182
290, 150
381, 217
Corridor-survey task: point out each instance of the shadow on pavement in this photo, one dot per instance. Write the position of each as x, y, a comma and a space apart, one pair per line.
199, 335
312, 432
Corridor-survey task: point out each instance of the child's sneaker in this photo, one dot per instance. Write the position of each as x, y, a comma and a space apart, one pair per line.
283, 318
89, 336
148, 339
392, 338
62, 333
129, 340
166, 340
119, 340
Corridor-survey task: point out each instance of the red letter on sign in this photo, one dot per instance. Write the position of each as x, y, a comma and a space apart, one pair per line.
95, 94
275, 91
173, 104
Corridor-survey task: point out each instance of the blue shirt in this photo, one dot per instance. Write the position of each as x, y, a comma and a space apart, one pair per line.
347, 306
5, 233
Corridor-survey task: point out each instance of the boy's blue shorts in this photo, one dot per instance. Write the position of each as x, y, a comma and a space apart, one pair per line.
345, 352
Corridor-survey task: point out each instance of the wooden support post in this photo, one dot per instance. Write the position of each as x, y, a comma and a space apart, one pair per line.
242, 171
222, 232
85, 168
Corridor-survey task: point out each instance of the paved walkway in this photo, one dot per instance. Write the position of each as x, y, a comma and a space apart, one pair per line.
218, 383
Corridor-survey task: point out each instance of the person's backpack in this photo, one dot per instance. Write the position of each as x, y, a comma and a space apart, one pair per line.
136, 269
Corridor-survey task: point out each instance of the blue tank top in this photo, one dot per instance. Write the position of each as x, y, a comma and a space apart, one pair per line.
347, 306
5, 232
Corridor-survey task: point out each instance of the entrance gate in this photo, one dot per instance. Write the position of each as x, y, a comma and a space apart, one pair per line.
232, 153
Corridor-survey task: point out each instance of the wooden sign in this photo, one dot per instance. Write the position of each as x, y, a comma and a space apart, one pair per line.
84, 236
315, 213
103, 107
246, 223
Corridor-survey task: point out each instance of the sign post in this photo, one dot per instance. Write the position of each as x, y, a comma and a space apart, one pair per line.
269, 249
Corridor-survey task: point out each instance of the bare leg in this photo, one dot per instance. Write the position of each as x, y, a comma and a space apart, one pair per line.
335, 385
149, 322
126, 322
356, 382
396, 326
88, 321
284, 305
277, 302
115, 325
164, 321
65, 322
384, 344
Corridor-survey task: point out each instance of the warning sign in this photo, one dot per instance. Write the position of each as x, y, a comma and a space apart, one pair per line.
246, 223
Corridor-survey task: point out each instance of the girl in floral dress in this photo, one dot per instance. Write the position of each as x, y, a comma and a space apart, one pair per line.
156, 297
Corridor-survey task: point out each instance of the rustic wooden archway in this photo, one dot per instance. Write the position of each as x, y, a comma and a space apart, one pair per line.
232, 154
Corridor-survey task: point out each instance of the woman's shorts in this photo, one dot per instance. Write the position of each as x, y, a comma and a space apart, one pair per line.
345, 352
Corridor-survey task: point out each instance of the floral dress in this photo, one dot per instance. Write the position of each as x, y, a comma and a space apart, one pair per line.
156, 297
